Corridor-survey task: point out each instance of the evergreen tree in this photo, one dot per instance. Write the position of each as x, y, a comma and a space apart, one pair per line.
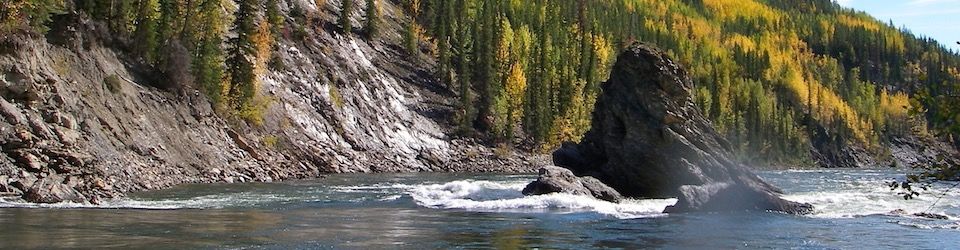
208, 63
463, 60
274, 18
346, 8
411, 32
190, 32
168, 23
411, 38
372, 19
486, 44
120, 18
145, 35
466, 95
242, 53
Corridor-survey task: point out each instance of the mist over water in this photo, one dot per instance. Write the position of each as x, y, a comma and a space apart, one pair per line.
480, 210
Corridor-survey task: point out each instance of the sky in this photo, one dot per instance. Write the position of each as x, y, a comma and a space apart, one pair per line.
938, 19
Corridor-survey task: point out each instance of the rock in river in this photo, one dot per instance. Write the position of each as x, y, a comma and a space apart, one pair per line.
52, 190
648, 139
554, 179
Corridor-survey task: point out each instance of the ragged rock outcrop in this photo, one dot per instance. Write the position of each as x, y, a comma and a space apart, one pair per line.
555, 179
648, 139
52, 190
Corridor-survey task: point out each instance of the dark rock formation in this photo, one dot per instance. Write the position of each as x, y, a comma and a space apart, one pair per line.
648, 139
932, 216
560, 180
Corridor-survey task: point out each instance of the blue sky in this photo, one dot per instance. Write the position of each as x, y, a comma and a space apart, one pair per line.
939, 19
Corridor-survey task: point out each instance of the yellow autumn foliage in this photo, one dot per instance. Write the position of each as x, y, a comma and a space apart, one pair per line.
856, 21
748, 9
263, 46
604, 52
516, 86
263, 50
737, 40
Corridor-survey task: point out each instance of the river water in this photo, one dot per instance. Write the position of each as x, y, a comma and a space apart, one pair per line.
430, 210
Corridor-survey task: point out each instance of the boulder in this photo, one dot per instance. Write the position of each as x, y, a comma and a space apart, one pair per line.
599, 190
554, 179
648, 139
932, 216
28, 160
24, 182
11, 114
52, 190
242, 143
6, 188
68, 137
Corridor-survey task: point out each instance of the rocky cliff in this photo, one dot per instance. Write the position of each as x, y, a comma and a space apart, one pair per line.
648, 139
81, 121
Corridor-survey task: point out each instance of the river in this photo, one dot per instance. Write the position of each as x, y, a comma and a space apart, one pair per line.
444, 210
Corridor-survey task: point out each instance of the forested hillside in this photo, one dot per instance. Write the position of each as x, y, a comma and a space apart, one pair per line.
777, 77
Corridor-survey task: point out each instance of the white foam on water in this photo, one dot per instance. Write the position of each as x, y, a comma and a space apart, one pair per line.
919, 225
488, 196
199, 202
842, 197
390, 198
857, 198
377, 188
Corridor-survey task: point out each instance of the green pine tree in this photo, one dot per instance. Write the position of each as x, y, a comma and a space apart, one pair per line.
145, 34
242, 53
372, 19
346, 8
275, 18
208, 64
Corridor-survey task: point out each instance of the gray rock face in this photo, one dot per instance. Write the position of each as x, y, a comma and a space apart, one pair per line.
648, 139
554, 179
71, 105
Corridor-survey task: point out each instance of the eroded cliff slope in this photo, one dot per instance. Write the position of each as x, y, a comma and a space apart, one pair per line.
81, 121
